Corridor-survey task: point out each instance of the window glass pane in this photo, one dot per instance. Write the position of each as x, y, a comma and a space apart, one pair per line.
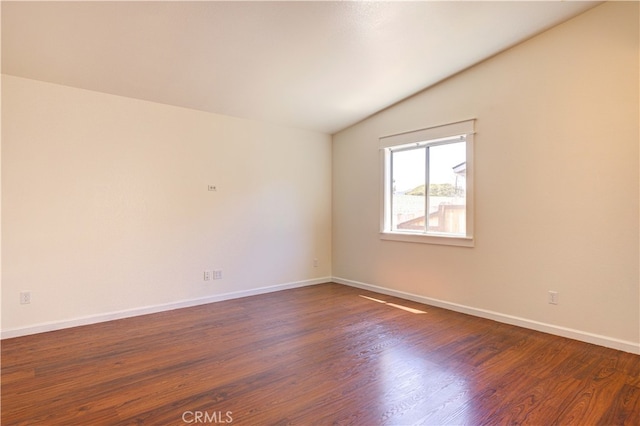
408, 190
447, 188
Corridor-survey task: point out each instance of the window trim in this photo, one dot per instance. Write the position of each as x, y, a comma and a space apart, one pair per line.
429, 136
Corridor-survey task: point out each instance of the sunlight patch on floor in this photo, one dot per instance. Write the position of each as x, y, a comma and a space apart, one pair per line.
395, 305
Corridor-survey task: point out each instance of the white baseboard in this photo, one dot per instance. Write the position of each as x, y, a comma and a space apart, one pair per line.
110, 316
583, 336
609, 342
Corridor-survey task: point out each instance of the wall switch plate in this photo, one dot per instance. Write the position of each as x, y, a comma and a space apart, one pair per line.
25, 297
217, 275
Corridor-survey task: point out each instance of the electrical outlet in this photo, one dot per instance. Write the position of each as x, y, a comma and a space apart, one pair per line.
553, 297
315, 263
212, 188
25, 297
217, 274
207, 275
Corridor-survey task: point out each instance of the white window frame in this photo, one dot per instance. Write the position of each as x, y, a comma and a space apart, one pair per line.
426, 137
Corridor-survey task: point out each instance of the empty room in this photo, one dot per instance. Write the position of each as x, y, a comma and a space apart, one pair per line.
310, 213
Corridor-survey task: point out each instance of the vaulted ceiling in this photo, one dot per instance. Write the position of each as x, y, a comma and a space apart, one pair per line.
314, 65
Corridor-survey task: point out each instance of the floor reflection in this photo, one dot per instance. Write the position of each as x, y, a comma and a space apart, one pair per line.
417, 390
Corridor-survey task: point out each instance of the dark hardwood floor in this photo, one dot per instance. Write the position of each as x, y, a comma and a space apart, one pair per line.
314, 356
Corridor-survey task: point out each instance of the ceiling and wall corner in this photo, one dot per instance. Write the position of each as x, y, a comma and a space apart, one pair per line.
321, 66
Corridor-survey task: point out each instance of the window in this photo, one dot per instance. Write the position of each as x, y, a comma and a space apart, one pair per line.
428, 185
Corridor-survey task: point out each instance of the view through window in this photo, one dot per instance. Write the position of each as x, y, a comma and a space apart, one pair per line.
427, 184
429, 188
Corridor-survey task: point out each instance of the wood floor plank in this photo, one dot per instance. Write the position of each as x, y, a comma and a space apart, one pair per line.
322, 354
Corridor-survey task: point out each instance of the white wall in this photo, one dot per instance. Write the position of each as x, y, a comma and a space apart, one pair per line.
557, 184
106, 208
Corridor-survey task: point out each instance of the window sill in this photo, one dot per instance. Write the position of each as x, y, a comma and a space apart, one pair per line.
445, 240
